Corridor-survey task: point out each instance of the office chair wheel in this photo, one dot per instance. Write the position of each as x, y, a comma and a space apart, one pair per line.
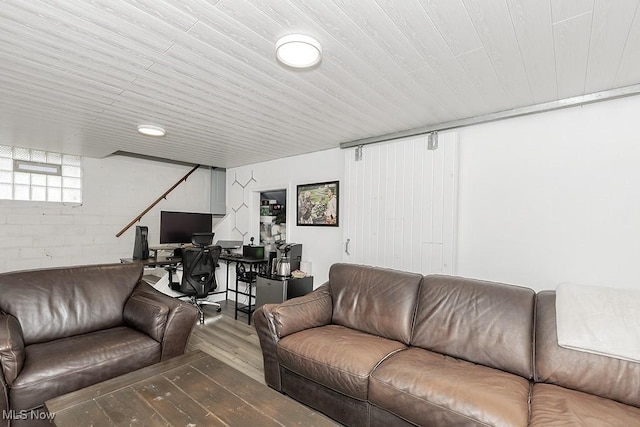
219, 309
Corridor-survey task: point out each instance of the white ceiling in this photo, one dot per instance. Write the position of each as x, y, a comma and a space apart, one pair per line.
78, 76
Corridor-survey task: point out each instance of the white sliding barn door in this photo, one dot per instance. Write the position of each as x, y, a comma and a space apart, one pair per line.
400, 205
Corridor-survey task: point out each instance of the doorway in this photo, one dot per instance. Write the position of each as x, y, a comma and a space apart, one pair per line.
273, 218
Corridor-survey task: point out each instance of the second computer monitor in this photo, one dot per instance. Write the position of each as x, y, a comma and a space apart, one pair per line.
228, 245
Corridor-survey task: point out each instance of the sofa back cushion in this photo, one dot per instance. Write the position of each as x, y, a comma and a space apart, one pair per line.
603, 376
61, 302
482, 322
375, 300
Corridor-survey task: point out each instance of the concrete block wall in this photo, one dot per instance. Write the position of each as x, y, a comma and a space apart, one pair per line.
115, 190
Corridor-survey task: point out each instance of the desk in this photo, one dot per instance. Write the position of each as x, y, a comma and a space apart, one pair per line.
169, 263
253, 264
183, 288
154, 262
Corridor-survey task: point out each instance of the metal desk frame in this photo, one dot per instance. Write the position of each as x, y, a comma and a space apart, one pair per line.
253, 268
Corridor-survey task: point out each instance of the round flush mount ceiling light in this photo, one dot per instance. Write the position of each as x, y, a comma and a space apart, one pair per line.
298, 51
151, 130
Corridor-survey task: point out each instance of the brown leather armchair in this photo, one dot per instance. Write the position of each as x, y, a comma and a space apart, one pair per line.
63, 329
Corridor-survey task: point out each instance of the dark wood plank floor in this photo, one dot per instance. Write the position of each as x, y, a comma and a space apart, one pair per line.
231, 341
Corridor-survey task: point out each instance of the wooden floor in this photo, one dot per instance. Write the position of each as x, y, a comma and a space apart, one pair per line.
231, 341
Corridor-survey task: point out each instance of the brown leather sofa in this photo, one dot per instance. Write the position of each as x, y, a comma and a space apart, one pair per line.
63, 329
379, 347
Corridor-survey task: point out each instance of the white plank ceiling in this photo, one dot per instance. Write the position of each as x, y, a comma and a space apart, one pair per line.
78, 76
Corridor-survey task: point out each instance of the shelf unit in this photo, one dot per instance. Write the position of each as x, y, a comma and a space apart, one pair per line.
248, 276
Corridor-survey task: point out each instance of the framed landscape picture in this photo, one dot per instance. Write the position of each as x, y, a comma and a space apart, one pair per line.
317, 204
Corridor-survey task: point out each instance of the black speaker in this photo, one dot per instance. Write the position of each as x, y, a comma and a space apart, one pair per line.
141, 244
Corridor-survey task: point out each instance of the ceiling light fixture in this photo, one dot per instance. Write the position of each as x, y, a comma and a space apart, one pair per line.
151, 130
298, 51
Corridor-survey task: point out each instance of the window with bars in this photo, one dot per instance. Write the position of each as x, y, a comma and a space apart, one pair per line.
37, 175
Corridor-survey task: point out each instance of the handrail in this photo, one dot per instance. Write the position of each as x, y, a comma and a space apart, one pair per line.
164, 196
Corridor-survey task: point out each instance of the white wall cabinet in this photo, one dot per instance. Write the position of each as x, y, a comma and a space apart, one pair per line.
219, 191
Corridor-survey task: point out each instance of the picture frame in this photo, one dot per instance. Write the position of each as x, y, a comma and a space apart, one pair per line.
317, 204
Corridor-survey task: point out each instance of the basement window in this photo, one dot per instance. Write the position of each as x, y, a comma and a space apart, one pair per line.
41, 176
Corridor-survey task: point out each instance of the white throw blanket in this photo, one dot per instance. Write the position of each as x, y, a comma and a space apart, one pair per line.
599, 320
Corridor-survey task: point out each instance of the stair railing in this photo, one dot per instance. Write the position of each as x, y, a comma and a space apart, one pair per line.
164, 196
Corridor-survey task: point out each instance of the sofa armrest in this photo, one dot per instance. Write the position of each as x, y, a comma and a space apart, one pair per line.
4, 401
275, 321
268, 341
146, 315
305, 312
181, 319
12, 352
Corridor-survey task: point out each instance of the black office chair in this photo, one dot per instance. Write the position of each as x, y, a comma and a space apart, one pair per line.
199, 275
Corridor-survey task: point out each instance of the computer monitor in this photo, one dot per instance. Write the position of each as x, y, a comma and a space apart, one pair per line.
179, 227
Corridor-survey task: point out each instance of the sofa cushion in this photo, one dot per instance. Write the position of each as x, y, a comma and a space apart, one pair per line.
336, 357
553, 405
603, 376
374, 300
60, 302
428, 388
482, 322
61, 366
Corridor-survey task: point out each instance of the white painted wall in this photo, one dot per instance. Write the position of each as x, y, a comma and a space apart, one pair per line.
552, 197
541, 199
116, 190
322, 246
